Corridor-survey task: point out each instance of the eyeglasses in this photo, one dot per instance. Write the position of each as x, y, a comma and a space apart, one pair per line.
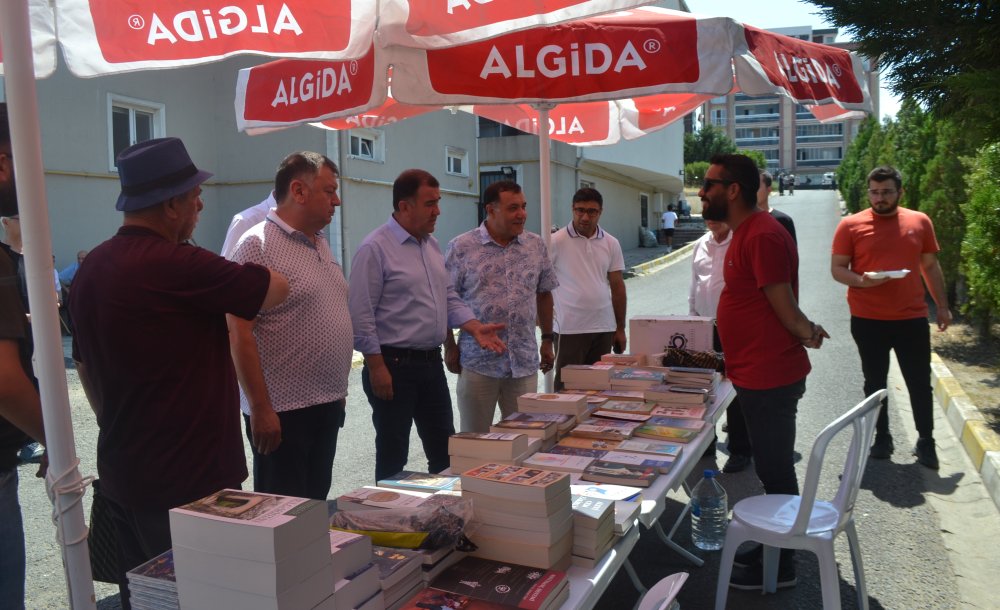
587, 211
882, 192
710, 182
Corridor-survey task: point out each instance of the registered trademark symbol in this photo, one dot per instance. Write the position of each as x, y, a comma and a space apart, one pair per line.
136, 22
502, 589
651, 46
354, 68
836, 69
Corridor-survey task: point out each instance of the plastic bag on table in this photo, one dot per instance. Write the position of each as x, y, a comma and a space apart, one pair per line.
438, 522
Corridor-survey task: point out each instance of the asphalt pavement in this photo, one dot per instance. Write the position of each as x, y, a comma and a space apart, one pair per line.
926, 537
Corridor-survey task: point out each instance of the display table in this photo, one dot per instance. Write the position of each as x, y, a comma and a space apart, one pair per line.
655, 496
587, 585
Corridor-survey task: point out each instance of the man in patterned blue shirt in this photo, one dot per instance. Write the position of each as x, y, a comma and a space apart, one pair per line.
504, 274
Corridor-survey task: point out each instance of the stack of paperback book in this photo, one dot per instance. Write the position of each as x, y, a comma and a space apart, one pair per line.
620, 473
587, 376
593, 530
605, 429
152, 585
628, 410
521, 514
692, 377
558, 462
399, 574
627, 500
425, 482
498, 584
673, 395
240, 549
371, 497
583, 447
358, 589
472, 449
574, 405
625, 359
354, 574
548, 427
635, 379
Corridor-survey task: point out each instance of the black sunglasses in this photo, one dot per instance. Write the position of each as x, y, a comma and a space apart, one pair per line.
710, 182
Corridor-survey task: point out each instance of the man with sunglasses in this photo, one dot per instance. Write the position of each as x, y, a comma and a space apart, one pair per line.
590, 299
889, 313
765, 335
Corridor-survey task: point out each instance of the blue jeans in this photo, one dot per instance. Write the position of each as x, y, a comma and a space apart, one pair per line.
911, 340
770, 419
420, 395
302, 466
11, 543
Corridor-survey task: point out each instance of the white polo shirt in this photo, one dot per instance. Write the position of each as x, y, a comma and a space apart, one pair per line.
583, 297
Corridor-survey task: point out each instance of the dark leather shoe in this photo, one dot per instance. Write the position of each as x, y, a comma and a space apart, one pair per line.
751, 578
736, 463
882, 448
749, 557
926, 453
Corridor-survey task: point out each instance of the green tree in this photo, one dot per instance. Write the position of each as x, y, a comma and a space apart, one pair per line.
694, 173
706, 143
981, 246
941, 53
758, 158
915, 139
853, 169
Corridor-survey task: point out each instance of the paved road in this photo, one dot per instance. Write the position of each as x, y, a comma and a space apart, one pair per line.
922, 533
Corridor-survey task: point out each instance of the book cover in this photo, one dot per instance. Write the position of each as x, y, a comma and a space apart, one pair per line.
622, 415
676, 422
625, 359
488, 445
511, 584
604, 429
675, 394
525, 484
626, 406
395, 564
639, 445
419, 481
590, 510
349, 553
157, 572
619, 474
607, 491
582, 452
534, 402
371, 497
687, 412
594, 396
635, 395
532, 427
665, 433
436, 599
559, 462
644, 460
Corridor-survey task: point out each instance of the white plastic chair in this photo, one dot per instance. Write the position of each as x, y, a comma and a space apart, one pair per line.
664, 593
780, 521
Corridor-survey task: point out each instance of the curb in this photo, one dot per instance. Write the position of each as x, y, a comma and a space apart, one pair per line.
980, 442
649, 266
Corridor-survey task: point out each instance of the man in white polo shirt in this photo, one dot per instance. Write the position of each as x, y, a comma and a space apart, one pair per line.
590, 299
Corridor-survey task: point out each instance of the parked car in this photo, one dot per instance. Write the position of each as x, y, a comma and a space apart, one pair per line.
828, 180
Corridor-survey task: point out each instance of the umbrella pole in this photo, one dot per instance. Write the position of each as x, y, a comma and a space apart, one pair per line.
545, 192
64, 477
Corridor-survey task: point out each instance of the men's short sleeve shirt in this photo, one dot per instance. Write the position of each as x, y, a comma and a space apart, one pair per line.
668, 220
306, 342
13, 327
760, 352
887, 243
582, 264
400, 292
501, 284
150, 327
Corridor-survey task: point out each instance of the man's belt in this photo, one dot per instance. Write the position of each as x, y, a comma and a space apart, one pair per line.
412, 355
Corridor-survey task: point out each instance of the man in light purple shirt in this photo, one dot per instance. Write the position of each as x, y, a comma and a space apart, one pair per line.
402, 304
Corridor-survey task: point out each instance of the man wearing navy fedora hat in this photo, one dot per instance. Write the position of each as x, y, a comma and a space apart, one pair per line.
152, 348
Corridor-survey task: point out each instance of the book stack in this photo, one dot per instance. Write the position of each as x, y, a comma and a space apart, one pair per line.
521, 514
399, 573
661, 464
667, 434
471, 449
558, 462
587, 376
629, 410
676, 395
574, 405
544, 426
626, 513
605, 429
655, 448
371, 497
355, 581
627, 395
424, 482
625, 359
686, 423
505, 584
635, 379
685, 411
433, 562
583, 447
252, 550
153, 585
593, 530
619, 473
595, 398
692, 377
357, 589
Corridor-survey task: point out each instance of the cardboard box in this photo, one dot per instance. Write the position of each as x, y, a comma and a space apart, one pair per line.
651, 334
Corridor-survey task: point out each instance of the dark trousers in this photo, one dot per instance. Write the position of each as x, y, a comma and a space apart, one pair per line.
420, 395
142, 535
302, 466
911, 340
738, 439
770, 419
583, 348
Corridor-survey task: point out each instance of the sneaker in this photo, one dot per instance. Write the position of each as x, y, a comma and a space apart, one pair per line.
32, 452
736, 463
882, 448
749, 557
751, 578
926, 453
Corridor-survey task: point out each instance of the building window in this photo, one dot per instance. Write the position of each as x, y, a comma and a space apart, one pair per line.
587, 184
131, 121
456, 161
367, 144
644, 210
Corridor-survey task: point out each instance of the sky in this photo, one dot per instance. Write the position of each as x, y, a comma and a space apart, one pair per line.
780, 14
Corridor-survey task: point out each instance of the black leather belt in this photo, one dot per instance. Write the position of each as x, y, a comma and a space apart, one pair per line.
404, 353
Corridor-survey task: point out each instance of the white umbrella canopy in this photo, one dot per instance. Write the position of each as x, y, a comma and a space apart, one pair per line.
113, 36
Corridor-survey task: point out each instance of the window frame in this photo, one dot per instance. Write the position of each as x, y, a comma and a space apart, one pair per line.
377, 145
454, 152
157, 109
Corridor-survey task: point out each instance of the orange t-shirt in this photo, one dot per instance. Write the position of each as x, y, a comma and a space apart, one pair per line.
887, 243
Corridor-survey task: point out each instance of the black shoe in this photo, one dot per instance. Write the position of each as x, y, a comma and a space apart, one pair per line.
882, 448
749, 557
736, 463
710, 450
751, 578
725, 427
926, 453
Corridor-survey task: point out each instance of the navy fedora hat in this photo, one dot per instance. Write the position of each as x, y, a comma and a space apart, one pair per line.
154, 171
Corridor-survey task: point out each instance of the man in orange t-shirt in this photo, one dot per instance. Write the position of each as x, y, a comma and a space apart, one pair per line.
890, 313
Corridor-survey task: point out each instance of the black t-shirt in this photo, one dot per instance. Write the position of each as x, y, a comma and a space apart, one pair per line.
13, 326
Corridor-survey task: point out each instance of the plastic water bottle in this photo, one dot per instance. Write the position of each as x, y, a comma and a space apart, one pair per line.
709, 513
